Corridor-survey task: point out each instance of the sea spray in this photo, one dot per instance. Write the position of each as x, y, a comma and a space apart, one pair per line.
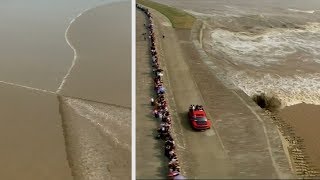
250, 62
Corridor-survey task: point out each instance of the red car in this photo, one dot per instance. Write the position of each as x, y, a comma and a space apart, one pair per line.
198, 118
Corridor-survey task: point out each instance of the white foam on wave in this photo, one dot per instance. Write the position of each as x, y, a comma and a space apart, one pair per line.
74, 51
113, 121
27, 87
72, 47
303, 11
211, 14
289, 90
198, 13
268, 48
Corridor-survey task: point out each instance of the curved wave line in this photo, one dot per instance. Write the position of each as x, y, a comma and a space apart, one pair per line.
303, 11
27, 87
74, 51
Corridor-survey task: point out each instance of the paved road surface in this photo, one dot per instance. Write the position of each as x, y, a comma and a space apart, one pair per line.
149, 158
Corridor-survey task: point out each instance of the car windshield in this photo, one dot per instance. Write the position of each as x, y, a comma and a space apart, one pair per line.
201, 119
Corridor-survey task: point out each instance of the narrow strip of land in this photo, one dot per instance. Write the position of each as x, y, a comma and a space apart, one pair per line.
244, 143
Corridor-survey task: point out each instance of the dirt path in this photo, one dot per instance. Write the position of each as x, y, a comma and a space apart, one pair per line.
243, 143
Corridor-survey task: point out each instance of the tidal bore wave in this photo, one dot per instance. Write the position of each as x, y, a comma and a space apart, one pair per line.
281, 61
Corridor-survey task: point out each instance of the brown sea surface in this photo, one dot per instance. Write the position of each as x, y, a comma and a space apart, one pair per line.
46, 134
102, 70
31, 136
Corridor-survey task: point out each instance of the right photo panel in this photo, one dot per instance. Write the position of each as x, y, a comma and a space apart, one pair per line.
227, 89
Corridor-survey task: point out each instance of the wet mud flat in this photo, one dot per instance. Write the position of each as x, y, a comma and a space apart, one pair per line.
97, 138
299, 126
304, 119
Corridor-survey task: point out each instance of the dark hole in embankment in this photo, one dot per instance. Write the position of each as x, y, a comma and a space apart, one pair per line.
270, 103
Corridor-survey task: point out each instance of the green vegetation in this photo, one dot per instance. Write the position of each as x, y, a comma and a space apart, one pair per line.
178, 18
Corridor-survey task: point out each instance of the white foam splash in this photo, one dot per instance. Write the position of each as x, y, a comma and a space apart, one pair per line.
27, 87
290, 90
303, 11
113, 121
74, 51
271, 47
198, 13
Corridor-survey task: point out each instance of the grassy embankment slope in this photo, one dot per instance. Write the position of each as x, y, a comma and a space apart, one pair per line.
179, 19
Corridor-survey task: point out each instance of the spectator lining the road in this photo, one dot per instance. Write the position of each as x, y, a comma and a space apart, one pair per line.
161, 110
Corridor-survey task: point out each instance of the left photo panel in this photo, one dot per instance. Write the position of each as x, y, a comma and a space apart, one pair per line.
65, 89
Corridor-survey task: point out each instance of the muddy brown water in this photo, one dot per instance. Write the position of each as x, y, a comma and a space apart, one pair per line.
102, 70
36, 125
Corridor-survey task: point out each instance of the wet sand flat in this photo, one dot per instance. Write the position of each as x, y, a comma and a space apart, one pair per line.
98, 139
31, 136
102, 71
304, 118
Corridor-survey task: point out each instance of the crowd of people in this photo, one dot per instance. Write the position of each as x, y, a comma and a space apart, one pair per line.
196, 107
159, 104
